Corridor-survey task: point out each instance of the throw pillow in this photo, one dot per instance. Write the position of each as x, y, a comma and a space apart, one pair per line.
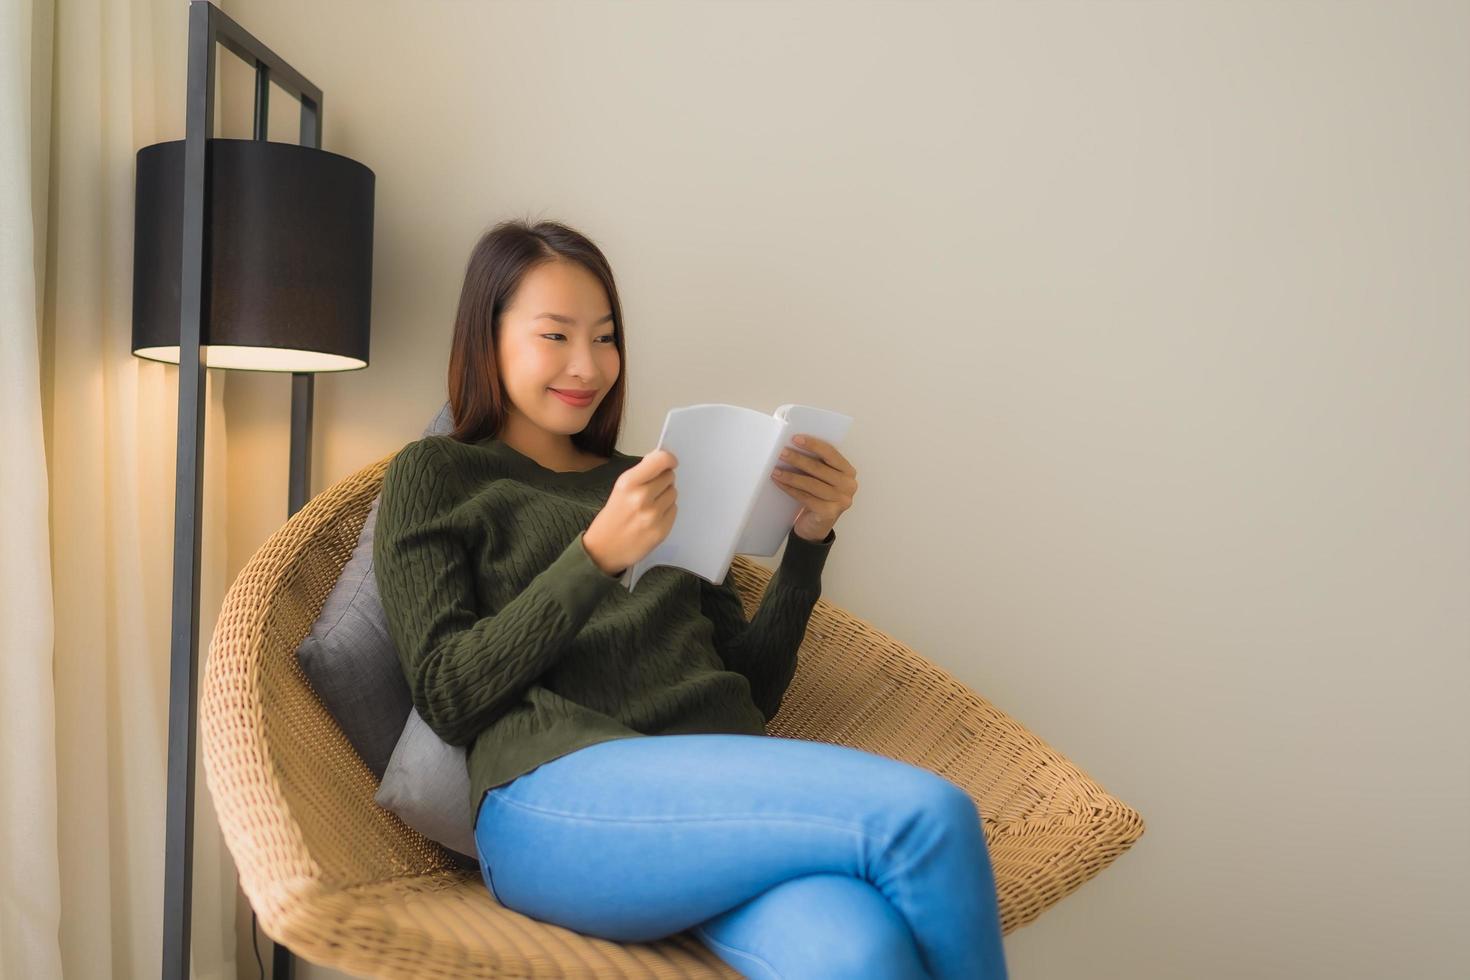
428, 785
349, 658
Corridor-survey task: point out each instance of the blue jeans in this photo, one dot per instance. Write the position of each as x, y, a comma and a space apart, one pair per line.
789, 859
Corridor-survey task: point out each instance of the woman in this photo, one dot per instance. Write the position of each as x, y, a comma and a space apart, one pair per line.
498, 552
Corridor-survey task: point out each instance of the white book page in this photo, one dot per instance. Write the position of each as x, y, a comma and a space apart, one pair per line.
723, 452
775, 510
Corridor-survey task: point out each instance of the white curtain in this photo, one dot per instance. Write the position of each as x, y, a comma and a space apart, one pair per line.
88, 439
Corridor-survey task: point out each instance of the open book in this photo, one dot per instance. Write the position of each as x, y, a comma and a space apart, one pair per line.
728, 503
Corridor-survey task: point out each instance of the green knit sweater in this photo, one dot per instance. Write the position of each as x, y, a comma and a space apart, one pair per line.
517, 645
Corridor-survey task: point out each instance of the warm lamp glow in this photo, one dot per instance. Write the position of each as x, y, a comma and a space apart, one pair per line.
260, 359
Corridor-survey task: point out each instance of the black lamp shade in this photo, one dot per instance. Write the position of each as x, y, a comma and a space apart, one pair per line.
288, 262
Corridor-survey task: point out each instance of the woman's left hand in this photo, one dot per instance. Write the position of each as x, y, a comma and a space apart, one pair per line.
824, 483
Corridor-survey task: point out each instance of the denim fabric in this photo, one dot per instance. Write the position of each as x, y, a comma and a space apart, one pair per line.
789, 859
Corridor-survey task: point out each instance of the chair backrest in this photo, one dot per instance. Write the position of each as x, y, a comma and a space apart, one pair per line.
293, 798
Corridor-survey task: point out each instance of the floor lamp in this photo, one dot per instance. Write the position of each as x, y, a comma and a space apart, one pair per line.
249, 255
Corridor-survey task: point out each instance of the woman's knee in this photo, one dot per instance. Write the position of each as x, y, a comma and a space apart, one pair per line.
868, 938
931, 796
819, 927
887, 952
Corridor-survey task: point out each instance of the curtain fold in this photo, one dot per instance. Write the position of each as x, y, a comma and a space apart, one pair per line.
30, 887
86, 532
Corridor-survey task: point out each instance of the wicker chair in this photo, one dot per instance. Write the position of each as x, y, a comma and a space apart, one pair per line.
344, 883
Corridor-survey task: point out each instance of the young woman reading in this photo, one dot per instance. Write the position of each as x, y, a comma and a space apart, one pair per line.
623, 783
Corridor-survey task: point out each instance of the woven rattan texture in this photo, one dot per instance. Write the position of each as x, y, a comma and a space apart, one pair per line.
345, 883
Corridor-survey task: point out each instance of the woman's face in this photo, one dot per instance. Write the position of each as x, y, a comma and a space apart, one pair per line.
557, 333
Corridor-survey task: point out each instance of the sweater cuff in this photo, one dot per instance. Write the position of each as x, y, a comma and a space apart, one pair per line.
575, 580
801, 563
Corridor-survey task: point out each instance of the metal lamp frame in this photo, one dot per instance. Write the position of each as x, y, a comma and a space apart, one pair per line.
208, 25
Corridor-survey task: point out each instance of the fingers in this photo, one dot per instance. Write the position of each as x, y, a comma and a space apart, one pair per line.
659, 459
826, 452
656, 466
809, 486
820, 469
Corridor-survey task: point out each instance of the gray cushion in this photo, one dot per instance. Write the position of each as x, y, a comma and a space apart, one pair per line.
428, 786
443, 423
352, 663
349, 657
427, 783
353, 666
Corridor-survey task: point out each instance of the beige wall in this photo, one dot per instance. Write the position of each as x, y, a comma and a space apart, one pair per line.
1153, 319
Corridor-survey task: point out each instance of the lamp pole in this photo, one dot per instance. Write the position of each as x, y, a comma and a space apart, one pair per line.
208, 25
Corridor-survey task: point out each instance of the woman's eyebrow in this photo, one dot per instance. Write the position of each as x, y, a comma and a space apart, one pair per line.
566, 319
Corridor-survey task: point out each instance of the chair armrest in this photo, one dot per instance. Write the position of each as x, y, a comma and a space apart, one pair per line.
294, 800
1050, 826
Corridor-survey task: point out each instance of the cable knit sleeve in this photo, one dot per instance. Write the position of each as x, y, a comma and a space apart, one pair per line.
765, 649
464, 669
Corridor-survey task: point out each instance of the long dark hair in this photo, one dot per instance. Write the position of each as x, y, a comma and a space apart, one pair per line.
498, 263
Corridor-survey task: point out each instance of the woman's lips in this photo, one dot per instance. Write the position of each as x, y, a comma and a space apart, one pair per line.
572, 400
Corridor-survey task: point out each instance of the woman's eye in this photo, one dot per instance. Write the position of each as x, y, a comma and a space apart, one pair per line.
607, 335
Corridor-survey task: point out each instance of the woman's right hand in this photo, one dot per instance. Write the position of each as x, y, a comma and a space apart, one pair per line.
639, 513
